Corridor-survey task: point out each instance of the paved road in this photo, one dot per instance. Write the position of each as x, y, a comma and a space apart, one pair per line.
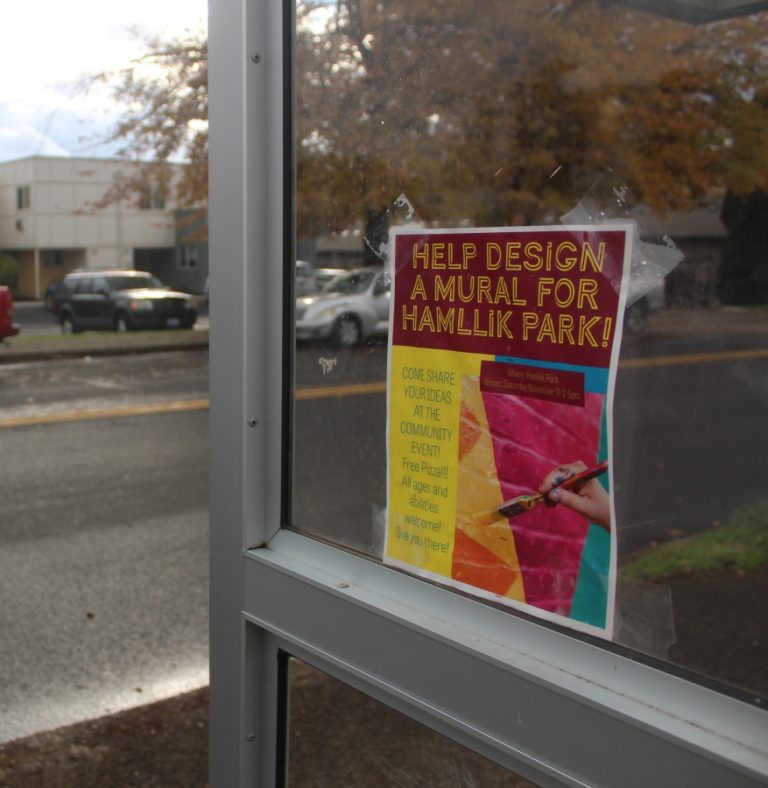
103, 542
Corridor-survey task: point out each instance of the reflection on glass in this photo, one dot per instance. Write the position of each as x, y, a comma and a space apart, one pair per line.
465, 115
339, 737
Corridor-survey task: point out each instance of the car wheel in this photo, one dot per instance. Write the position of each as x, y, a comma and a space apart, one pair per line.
68, 325
121, 323
348, 332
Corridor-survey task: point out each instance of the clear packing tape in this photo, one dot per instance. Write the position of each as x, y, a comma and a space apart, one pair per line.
644, 611
654, 254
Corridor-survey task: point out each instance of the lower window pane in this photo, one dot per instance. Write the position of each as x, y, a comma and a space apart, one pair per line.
341, 738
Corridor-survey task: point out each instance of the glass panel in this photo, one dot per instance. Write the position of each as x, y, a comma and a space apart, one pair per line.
329, 720
467, 114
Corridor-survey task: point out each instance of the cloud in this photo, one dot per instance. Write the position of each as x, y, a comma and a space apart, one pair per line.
18, 142
41, 131
42, 113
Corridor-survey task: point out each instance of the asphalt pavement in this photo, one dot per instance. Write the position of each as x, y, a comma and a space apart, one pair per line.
104, 539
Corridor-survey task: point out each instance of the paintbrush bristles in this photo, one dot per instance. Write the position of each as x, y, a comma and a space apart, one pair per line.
488, 518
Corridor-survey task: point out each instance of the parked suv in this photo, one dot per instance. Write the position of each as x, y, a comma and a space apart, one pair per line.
7, 327
122, 301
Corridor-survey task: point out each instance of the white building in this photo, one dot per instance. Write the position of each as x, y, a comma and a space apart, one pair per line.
49, 220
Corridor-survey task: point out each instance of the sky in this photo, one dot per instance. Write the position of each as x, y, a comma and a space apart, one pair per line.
49, 45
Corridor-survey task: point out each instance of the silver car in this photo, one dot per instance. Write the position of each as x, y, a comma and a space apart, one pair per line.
306, 282
351, 308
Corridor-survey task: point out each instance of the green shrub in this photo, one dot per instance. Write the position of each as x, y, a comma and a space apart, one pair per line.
9, 271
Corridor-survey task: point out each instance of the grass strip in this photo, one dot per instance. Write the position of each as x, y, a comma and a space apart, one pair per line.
85, 337
739, 546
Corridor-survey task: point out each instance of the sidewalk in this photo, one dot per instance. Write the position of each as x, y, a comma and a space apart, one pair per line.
726, 321
95, 343
337, 737
164, 744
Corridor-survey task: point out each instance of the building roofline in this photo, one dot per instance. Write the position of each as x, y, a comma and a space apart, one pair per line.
102, 159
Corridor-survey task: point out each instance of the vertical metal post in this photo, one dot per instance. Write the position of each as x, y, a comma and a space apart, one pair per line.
246, 243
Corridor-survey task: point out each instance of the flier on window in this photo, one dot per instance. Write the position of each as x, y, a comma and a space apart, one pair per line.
502, 360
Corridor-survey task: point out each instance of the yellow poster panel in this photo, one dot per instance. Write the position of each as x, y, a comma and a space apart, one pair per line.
424, 432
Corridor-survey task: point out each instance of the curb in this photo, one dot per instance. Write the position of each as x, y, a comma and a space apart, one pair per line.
11, 352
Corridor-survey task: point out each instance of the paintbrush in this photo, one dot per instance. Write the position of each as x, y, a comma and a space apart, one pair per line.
526, 502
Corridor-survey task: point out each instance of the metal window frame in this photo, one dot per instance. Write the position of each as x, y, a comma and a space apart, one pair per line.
555, 709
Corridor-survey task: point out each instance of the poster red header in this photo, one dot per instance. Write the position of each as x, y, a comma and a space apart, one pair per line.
550, 294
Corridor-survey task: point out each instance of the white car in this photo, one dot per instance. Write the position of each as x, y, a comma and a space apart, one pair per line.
350, 308
305, 278
324, 275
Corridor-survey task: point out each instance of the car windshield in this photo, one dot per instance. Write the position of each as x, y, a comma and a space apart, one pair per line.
350, 283
143, 281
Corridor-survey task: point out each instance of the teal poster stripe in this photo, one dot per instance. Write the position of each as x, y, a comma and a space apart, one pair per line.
590, 600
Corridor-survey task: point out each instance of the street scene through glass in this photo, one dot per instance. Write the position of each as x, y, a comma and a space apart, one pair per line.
512, 126
526, 307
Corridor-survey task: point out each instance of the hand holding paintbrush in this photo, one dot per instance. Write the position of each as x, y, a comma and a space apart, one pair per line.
567, 484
